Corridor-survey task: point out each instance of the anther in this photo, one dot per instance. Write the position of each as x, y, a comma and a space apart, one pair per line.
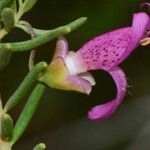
145, 41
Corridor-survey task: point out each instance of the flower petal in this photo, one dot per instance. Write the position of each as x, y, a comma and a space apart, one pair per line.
104, 51
110, 49
107, 109
74, 66
78, 84
140, 24
87, 76
61, 49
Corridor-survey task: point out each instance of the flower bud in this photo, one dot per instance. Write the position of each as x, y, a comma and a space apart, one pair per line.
8, 17
6, 127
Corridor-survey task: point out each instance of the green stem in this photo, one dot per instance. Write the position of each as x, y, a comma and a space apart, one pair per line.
43, 38
38, 32
25, 85
28, 112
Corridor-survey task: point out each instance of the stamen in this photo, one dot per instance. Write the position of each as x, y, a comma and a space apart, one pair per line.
145, 41
148, 32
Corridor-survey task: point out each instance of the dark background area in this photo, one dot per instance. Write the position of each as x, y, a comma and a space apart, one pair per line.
61, 118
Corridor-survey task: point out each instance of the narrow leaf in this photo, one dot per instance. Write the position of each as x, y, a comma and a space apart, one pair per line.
28, 4
28, 111
25, 85
13, 6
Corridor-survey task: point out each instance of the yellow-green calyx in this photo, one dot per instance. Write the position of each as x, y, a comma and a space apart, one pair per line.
56, 76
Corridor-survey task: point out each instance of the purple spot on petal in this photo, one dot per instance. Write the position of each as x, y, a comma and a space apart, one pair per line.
109, 45
106, 55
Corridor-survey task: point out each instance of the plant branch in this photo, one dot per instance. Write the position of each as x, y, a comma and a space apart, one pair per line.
39, 40
25, 85
28, 112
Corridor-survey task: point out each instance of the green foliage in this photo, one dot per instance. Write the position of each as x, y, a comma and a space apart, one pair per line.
28, 4
40, 146
44, 37
6, 127
25, 85
13, 6
11, 12
4, 4
28, 111
24, 6
8, 17
5, 56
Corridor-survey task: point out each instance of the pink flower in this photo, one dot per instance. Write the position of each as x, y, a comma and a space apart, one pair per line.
69, 70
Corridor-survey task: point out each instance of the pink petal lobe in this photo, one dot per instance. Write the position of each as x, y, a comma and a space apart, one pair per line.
104, 51
61, 49
105, 110
79, 84
88, 76
102, 111
110, 49
140, 24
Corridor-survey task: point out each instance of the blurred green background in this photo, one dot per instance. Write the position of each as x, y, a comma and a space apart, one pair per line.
61, 118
